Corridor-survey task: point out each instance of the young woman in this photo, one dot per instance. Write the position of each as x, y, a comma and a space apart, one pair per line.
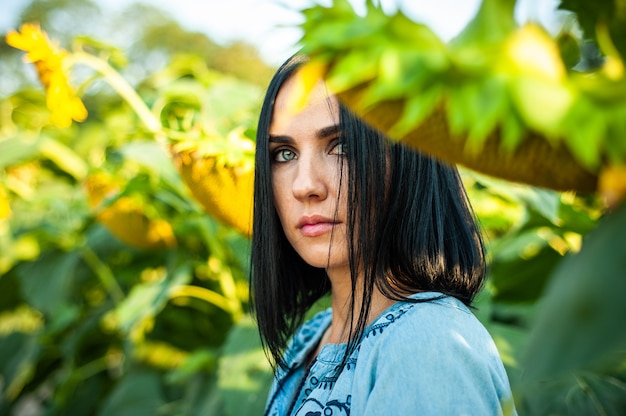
389, 233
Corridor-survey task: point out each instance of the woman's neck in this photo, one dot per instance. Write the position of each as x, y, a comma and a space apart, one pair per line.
341, 293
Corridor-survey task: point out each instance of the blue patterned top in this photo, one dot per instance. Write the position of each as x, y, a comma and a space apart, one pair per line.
430, 358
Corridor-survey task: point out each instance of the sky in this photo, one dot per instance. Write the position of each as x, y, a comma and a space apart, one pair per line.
271, 25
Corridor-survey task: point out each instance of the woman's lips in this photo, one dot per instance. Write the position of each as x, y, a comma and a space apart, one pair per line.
315, 225
313, 230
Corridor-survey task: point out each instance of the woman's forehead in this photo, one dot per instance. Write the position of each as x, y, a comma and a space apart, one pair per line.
295, 93
316, 104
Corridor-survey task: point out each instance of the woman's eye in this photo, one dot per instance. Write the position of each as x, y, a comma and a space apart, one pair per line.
339, 149
284, 155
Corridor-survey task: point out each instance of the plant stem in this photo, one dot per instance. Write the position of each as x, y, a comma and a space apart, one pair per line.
207, 295
103, 272
92, 368
122, 87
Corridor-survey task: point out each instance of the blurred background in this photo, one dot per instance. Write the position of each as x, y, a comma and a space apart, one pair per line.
126, 160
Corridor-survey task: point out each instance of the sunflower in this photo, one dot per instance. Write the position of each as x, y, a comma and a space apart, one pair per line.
224, 190
48, 59
126, 216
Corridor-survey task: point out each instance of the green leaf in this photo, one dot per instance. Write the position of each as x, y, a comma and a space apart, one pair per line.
244, 375
574, 218
522, 245
522, 279
591, 14
476, 108
153, 157
18, 149
49, 283
10, 296
231, 103
509, 340
492, 24
569, 48
513, 130
542, 104
338, 26
582, 393
542, 201
581, 318
354, 69
486, 103
587, 129
86, 330
148, 299
416, 109
80, 400
402, 70
201, 397
461, 110
615, 135
18, 357
211, 404
196, 362
138, 394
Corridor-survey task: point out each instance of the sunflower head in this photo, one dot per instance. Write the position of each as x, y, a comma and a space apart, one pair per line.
48, 59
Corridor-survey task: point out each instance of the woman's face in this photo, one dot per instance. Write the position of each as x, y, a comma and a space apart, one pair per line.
307, 161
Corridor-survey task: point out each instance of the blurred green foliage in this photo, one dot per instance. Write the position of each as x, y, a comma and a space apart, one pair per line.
93, 323
541, 109
94, 318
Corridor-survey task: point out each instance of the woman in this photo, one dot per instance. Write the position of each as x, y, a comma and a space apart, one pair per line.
390, 235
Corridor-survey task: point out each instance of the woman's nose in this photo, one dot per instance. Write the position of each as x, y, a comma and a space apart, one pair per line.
310, 181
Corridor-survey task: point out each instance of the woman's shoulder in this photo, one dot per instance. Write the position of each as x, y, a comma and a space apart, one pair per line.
434, 334
422, 306
424, 347
427, 322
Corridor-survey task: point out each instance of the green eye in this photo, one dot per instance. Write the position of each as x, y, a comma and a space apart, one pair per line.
284, 155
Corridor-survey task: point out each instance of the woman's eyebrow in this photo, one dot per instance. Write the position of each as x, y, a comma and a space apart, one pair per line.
327, 131
322, 133
280, 139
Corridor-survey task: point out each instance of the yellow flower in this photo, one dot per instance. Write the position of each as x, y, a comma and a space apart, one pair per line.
225, 191
126, 217
5, 207
305, 79
612, 185
48, 59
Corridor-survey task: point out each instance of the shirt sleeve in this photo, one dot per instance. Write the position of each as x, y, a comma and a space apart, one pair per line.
439, 360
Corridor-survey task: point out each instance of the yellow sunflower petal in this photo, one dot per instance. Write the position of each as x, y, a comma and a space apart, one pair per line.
5, 208
25, 39
612, 185
61, 99
79, 112
126, 218
34, 41
225, 192
305, 79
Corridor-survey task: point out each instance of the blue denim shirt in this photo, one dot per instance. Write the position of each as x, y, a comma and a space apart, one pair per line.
431, 358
